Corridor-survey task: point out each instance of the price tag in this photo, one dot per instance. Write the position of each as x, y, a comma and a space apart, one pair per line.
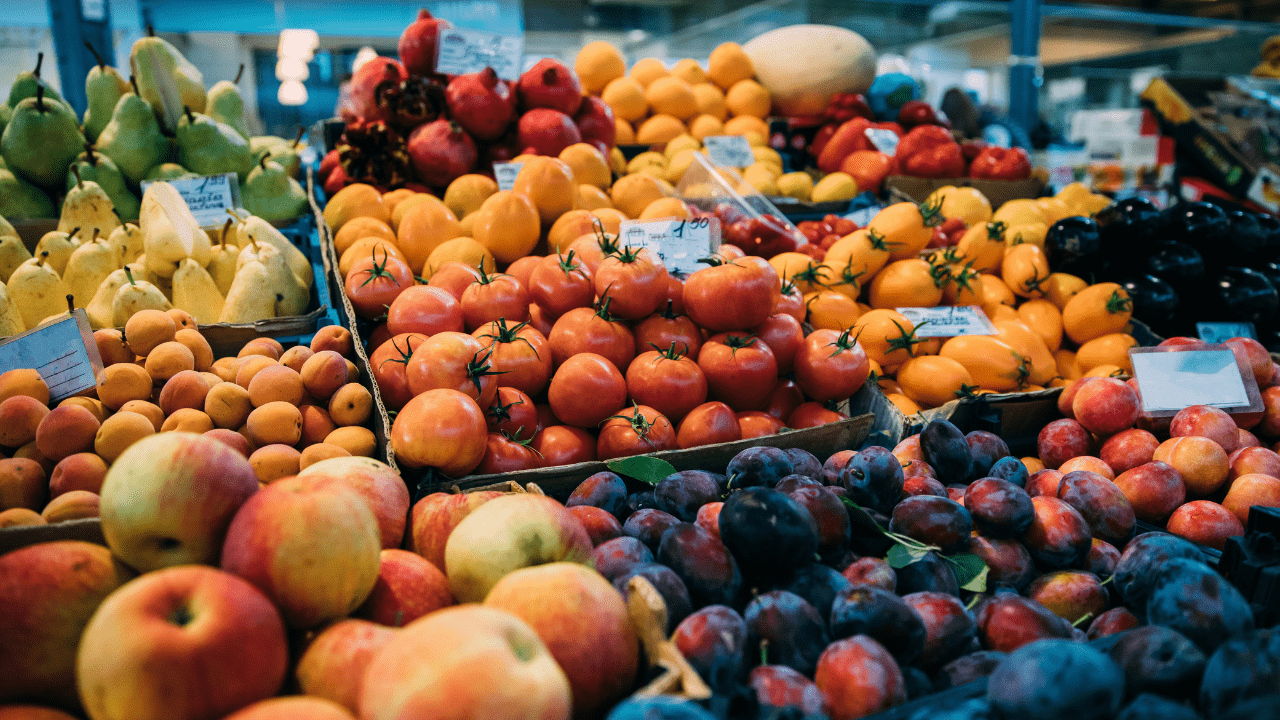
505, 174
63, 352
949, 321
729, 150
886, 141
1171, 381
460, 52
680, 242
1216, 332
208, 196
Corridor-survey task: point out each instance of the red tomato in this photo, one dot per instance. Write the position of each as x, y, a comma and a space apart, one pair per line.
373, 284
379, 335
785, 398
667, 381
735, 295
512, 413
756, 424
675, 294
666, 328
783, 334
635, 431
520, 353
585, 390
440, 428
831, 365
456, 361
424, 309
560, 283
593, 249
740, 369
634, 280
523, 268
389, 363
454, 277
595, 331
547, 419
790, 301
539, 320
492, 297
502, 454
707, 424
813, 414
564, 445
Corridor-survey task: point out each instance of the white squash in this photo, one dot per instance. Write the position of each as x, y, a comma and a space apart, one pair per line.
803, 66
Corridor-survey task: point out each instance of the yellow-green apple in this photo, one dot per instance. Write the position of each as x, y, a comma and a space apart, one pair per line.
297, 707
465, 663
408, 587
509, 533
310, 543
583, 621
333, 665
434, 518
167, 500
32, 712
183, 643
378, 484
48, 592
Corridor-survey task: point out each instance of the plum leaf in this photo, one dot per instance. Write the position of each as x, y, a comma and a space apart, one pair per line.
649, 470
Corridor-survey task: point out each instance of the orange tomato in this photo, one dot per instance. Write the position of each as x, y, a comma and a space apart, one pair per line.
1066, 362
991, 362
1041, 365
887, 336
1045, 318
983, 245
800, 269
909, 283
995, 293
845, 280
906, 227
933, 380
862, 251
964, 287
1109, 349
1024, 269
1096, 311
1060, 287
831, 310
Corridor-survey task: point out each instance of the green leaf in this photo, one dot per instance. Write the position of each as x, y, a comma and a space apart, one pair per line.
649, 470
900, 556
971, 571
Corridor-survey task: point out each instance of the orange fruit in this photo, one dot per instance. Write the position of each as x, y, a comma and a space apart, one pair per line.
597, 64
617, 161
728, 64
611, 218
465, 250
647, 70
1249, 490
591, 197
659, 129
467, 193
705, 125
508, 225
569, 227
588, 165
689, 71
748, 97
755, 130
710, 101
358, 228
671, 96
626, 97
624, 134
633, 193
666, 207
409, 203
424, 227
393, 198
549, 183
1201, 462
353, 201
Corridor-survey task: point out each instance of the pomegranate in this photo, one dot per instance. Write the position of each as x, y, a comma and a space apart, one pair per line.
441, 152
544, 131
336, 181
327, 165
418, 43
595, 122
482, 103
371, 80
549, 84
499, 151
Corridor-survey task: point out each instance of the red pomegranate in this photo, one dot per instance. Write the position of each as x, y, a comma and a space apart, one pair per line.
418, 43
595, 122
336, 181
378, 74
499, 151
549, 84
327, 165
441, 152
543, 131
482, 103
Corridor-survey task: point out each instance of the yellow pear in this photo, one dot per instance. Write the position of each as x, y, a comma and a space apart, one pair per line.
10, 316
222, 261
99, 308
170, 233
291, 297
251, 298
133, 296
6, 228
87, 207
88, 267
126, 241
12, 254
260, 230
56, 246
195, 291
37, 290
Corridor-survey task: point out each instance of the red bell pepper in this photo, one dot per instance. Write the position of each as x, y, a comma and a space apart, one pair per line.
996, 163
918, 112
930, 151
849, 137
844, 107
821, 138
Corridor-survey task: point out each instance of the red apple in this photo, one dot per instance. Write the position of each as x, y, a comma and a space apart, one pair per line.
408, 587
378, 484
434, 518
184, 643
333, 665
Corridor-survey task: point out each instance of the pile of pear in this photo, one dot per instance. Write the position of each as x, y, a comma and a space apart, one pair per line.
114, 269
159, 124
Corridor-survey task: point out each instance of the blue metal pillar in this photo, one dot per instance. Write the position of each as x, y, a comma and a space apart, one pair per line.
74, 23
1024, 60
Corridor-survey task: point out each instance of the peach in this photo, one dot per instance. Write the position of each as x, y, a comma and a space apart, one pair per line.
333, 337
1106, 406
182, 319
1249, 490
66, 430
351, 404
319, 452
1068, 396
1270, 425
358, 441
212, 378
275, 383
228, 405
31, 452
1205, 522
323, 373
122, 382
119, 432
1253, 460
266, 347
82, 471
24, 381
316, 424
187, 420
20, 416
381, 487
199, 347
50, 591
247, 367
72, 505
408, 587
147, 330
1252, 355
22, 484
601, 526
436, 515
1073, 595
1154, 490
1248, 439
148, 410
1200, 462
169, 359
275, 422
298, 707
1090, 463
93, 405
1128, 449
272, 462
20, 517
232, 439
333, 665
353, 372
111, 347
295, 357
1206, 421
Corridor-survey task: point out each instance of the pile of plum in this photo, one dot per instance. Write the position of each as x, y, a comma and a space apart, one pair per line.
799, 588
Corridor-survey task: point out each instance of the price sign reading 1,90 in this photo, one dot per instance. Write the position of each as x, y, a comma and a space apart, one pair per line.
679, 242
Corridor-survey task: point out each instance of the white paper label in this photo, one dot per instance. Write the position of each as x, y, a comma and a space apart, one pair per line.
460, 52
729, 150
505, 174
208, 196
1175, 380
1216, 332
63, 352
680, 242
948, 321
93, 10
886, 141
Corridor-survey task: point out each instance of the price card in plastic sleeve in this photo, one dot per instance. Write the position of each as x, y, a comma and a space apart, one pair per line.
1216, 332
462, 51
886, 141
63, 352
208, 196
1170, 380
505, 174
729, 150
680, 242
948, 321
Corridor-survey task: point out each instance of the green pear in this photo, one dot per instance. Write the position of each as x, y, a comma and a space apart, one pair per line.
168, 81
55, 248
24, 86
21, 199
6, 228
195, 292
222, 261
251, 298
132, 139
88, 267
6, 114
13, 252
170, 233
271, 194
41, 140
88, 208
208, 147
226, 106
103, 170
37, 290
10, 315
103, 86
280, 150
262, 231
127, 244
133, 296
168, 171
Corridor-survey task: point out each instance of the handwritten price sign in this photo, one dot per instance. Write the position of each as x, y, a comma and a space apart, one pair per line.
680, 242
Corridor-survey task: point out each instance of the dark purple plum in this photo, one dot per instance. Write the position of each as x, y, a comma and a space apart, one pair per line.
779, 688
1101, 503
637, 502
804, 462
967, 668
604, 490
1159, 660
834, 464
669, 586
712, 640
1011, 469
783, 629
873, 479
866, 528
946, 449
1153, 707
1140, 560
933, 521
618, 555
871, 571
758, 466
1056, 679
987, 449
923, 485
1189, 597
1102, 558
1000, 509
819, 585
648, 525
1112, 622
794, 482
1009, 564
829, 515
770, 534
1239, 670
682, 493
869, 610
928, 574
702, 562
949, 627
918, 681
1058, 537
1007, 621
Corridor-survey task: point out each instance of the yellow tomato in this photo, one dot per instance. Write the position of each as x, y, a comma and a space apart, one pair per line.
887, 336
906, 227
983, 245
1019, 212
828, 309
1060, 287
908, 283
1045, 318
966, 203
862, 250
1096, 311
993, 363
1025, 268
933, 380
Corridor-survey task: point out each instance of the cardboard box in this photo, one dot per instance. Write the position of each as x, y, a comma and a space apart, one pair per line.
916, 189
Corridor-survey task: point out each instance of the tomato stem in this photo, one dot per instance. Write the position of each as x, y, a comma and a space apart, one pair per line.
931, 213
1119, 303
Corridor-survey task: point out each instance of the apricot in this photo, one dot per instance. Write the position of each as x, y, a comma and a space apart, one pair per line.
295, 357
120, 383
187, 420
212, 378
333, 337
1206, 421
199, 347
228, 405
1154, 490
22, 484
233, 440
148, 410
1250, 490
225, 369
66, 430
20, 517
249, 367
182, 319
350, 405
111, 347
1205, 522
20, 416
82, 471
323, 373
73, 505
316, 424
147, 330
1090, 463
272, 462
23, 381
31, 452
1200, 461
169, 359
93, 405
320, 451
353, 372
359, 441
275, 422
120, 431
266, 347
275, 383
187, 389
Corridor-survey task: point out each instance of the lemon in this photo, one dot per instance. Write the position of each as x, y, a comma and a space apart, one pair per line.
796, 185
833, 187
647, 159
685, 141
